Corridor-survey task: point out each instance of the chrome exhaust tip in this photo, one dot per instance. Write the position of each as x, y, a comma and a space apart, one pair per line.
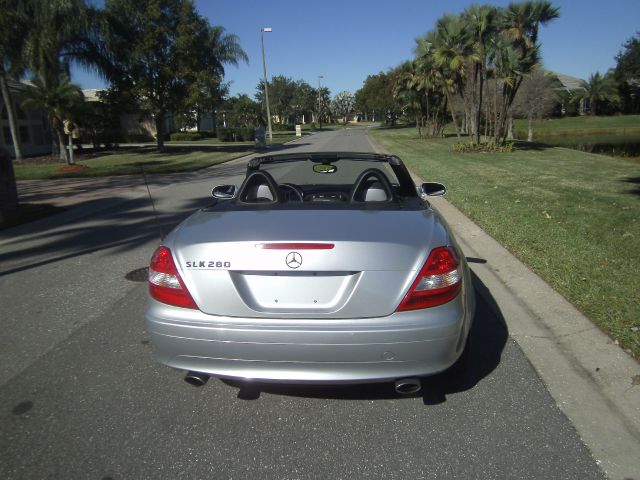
407, 386
196, 379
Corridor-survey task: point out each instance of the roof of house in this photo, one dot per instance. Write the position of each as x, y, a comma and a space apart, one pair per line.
91, 94
569, 82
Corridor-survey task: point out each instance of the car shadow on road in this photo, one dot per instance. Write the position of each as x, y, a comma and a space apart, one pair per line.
489, 334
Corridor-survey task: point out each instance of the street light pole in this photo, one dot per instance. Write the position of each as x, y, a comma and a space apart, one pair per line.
264, 74
319, 102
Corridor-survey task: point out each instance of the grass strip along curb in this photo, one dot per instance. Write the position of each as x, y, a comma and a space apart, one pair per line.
570, 216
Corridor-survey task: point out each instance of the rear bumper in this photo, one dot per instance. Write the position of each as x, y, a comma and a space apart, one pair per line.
418, 343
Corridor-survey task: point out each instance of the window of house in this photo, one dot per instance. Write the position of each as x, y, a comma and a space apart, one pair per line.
24, 134
7, 136
38, 135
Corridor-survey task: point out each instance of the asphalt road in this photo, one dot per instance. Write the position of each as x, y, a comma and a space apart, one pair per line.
82, 397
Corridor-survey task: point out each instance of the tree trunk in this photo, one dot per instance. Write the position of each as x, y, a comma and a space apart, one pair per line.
62, 146
510, 128
495, 108
479, 98
8, 190
530, 134
11, 114
71, 161
159, 118
452, 110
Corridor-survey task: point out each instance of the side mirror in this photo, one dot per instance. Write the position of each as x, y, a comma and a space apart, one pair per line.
433, 189
224, 191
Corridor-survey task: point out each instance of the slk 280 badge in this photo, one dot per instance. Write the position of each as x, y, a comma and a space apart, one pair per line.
207, 264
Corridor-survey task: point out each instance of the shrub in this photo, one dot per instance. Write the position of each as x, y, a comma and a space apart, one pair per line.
135, 138
246, 134
242, 134
282, 127
490, 147
312, 126
185, 136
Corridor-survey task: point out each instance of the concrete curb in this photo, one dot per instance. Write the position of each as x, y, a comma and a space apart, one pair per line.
589, 377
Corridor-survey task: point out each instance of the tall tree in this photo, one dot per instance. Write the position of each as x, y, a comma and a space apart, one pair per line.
536, 98
158, 48
61, 100
376, 97
519, 24
448, 46
304, 100
342, 105
481, 27
242, 111
60, 32
13, 23
627, 73
324, 104
281, 93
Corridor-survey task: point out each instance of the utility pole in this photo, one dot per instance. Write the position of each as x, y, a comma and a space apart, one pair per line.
264, 74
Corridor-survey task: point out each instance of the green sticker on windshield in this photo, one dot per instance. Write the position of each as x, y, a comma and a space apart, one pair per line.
324, 168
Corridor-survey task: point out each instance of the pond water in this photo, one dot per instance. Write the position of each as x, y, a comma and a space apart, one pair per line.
614, 145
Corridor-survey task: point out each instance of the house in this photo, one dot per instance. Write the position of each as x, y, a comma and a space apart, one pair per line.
33, 127
138, 125
569, 85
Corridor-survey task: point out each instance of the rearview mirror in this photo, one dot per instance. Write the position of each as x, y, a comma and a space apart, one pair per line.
224, 191
433, 189
324, 168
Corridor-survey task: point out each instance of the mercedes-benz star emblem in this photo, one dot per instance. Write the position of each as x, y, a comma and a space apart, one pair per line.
294, 259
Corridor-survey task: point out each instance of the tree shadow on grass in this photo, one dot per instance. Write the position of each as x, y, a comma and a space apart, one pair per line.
147, 163
530, 146
634, 181
489, 333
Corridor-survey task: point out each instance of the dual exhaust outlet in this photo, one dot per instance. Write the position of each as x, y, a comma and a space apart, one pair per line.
404, 386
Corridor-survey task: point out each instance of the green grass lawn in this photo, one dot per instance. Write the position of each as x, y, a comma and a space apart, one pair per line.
175, 159
619, 124
572, 217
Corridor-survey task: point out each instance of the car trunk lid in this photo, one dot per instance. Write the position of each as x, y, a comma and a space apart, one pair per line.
320, 264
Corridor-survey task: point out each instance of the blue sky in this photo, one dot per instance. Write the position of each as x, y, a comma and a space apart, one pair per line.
344, 41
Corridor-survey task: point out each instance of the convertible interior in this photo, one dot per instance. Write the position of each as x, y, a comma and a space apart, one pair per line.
372, 185
327, 180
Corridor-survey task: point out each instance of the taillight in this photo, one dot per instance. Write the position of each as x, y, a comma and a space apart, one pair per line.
438, 282
165, 284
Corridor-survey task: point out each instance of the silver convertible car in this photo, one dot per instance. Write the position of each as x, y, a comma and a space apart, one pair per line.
319, 268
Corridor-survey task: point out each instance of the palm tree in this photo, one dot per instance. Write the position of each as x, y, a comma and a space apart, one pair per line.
481, 27
519, 24
60, 100
13, 23
450, 51
225, 48
598, 89
59, 32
